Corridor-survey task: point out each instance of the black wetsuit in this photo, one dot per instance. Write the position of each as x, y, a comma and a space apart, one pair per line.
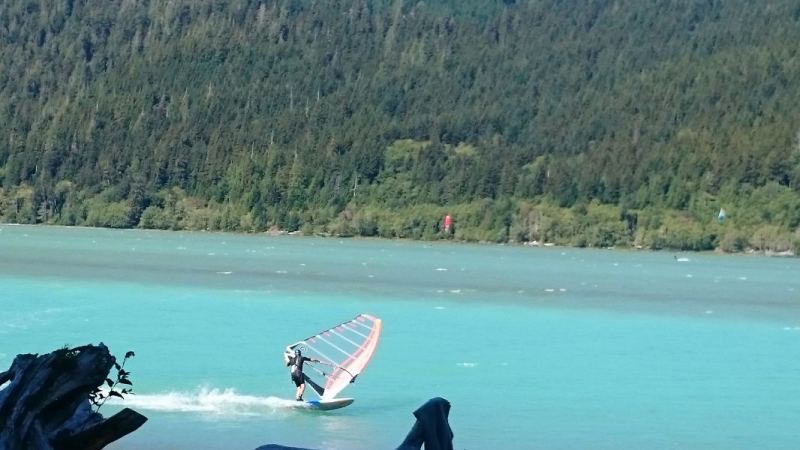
297, 368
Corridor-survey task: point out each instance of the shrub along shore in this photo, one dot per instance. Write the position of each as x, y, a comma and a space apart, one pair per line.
505, 220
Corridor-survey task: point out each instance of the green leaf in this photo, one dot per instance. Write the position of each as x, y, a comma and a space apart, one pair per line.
129, 355
115, 394
109, 382
125, 381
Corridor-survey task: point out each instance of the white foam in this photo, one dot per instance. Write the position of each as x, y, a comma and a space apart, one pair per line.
467, 364
742, 278
224, 273
282, 272
439, 307
708, 311
441, 269
207, 401
549, 290
180, 248
455, 291
688, 275
682, 259
562, 290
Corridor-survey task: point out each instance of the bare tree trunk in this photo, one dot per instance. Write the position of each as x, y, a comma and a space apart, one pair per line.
46, 404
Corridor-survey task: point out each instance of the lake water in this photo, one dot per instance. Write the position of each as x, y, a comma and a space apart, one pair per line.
549, 348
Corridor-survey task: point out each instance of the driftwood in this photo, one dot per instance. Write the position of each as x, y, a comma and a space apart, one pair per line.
432, 427
46, 404
279, 447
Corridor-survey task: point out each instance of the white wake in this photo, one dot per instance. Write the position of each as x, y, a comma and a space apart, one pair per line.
207, 401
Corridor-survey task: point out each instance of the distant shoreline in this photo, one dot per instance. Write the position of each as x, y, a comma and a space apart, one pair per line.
275, 232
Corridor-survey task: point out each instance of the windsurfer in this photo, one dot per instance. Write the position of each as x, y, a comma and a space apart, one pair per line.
295, 362
344, 350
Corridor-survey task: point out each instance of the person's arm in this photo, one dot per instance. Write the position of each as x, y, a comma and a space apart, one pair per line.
287, 356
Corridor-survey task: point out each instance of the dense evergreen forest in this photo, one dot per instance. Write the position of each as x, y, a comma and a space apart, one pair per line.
591, 123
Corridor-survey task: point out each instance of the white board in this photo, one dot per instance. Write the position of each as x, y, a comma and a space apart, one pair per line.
327, 405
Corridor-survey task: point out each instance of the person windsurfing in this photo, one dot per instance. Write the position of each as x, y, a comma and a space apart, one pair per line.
295, 362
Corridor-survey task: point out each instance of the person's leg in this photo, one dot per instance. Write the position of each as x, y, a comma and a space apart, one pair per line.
301, 389
298, 382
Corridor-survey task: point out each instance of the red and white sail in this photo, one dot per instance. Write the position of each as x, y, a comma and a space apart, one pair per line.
344, 351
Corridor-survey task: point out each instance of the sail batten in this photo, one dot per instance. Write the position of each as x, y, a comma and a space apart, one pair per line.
323, 355
348, 340
352, 344
359, 333
334, 346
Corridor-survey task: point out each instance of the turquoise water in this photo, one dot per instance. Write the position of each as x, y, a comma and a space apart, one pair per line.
546, 348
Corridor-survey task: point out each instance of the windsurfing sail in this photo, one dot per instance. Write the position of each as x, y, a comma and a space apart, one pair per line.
343, 351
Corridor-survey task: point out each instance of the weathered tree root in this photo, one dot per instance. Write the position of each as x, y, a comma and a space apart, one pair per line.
46, 404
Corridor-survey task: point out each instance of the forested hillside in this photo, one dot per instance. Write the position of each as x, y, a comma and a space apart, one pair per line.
595, 123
